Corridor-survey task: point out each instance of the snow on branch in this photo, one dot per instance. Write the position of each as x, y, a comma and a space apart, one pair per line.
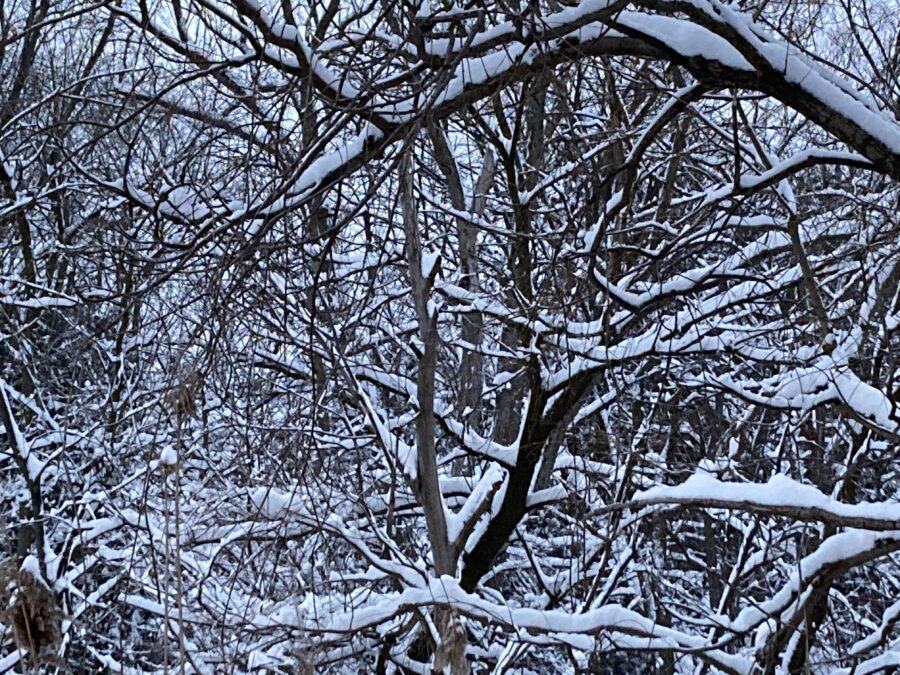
779, 496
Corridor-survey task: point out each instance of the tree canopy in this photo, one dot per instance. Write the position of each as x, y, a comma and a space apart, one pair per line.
473, 336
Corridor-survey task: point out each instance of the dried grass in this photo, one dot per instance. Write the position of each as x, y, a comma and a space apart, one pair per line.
450, 656
29, 607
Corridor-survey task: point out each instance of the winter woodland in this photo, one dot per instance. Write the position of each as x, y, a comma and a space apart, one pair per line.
461, 336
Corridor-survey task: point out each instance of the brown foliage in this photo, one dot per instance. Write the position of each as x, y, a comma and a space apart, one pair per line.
31, 610
450, 656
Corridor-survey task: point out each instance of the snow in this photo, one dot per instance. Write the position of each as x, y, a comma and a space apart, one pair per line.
488, 484
94, 528
836, 549
430, 259
810, 156
288, 33
406, 454
590, 237
797, 70
779, 494
8, 662
424, 10
31, 566
300, 519
183, 200
882, 663
577, 19
314, 175
829, 379
475, 71
732, 266
615, 622
21, 446
889, 618
168, 456
505, 455
686, 38
272, 502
